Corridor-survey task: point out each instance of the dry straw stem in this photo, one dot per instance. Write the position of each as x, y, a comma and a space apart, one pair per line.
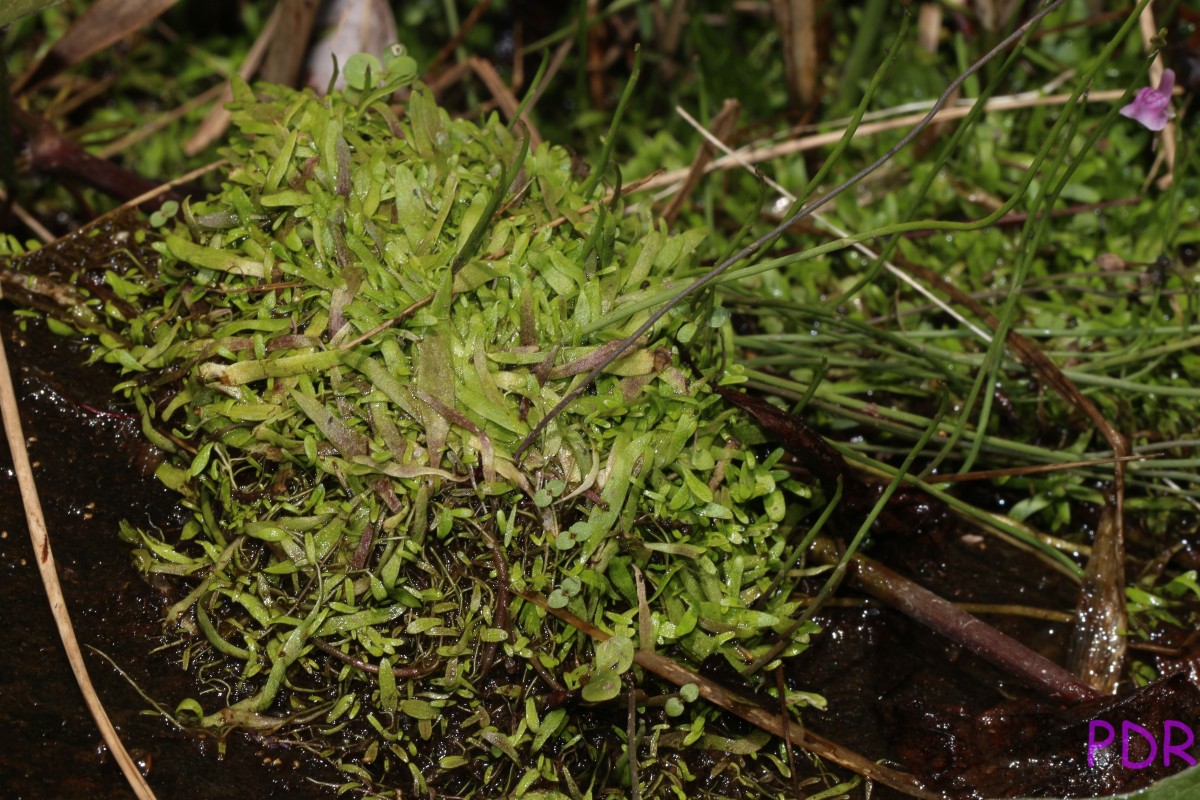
30, 221
217, 121
187, 177
1167, 139
455, 41
104, 24
770, 236
40, 537
758, 154
796, 20
143, 132
723, 125
1101, 613
835, 230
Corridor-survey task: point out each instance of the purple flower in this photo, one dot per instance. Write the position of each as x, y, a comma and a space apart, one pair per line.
1152, 107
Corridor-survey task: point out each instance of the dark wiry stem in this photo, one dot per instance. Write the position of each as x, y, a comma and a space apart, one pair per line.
778, 230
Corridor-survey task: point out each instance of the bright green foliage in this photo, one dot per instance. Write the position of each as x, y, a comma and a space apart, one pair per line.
340, 353
362, 496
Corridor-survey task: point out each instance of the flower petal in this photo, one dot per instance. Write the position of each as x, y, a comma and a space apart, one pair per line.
1152, 107
1166, 84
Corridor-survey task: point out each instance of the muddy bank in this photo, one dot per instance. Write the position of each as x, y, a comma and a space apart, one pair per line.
89, 464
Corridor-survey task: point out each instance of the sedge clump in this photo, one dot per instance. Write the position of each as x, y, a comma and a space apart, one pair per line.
339, 354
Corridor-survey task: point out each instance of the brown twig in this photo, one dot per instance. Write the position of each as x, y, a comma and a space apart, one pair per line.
104, 24
53, 153
671, 27
161, 121
504, 97
383, 326
161, 188
675, 673
289, 43
556, 62
444, 80
721, 128
364, 666
1097, 644
929, 26
500, 609
631, 744
796, 20
941, 615
450, 46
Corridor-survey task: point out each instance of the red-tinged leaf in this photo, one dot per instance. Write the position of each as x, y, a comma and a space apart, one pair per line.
794, 435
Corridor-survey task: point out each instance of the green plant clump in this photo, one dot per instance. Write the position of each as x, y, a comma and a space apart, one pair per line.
340, 354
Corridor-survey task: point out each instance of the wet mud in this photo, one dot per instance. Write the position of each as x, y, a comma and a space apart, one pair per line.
898, 691
90, 466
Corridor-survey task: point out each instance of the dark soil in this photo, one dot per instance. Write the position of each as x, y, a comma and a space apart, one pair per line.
897, 691
87, 464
